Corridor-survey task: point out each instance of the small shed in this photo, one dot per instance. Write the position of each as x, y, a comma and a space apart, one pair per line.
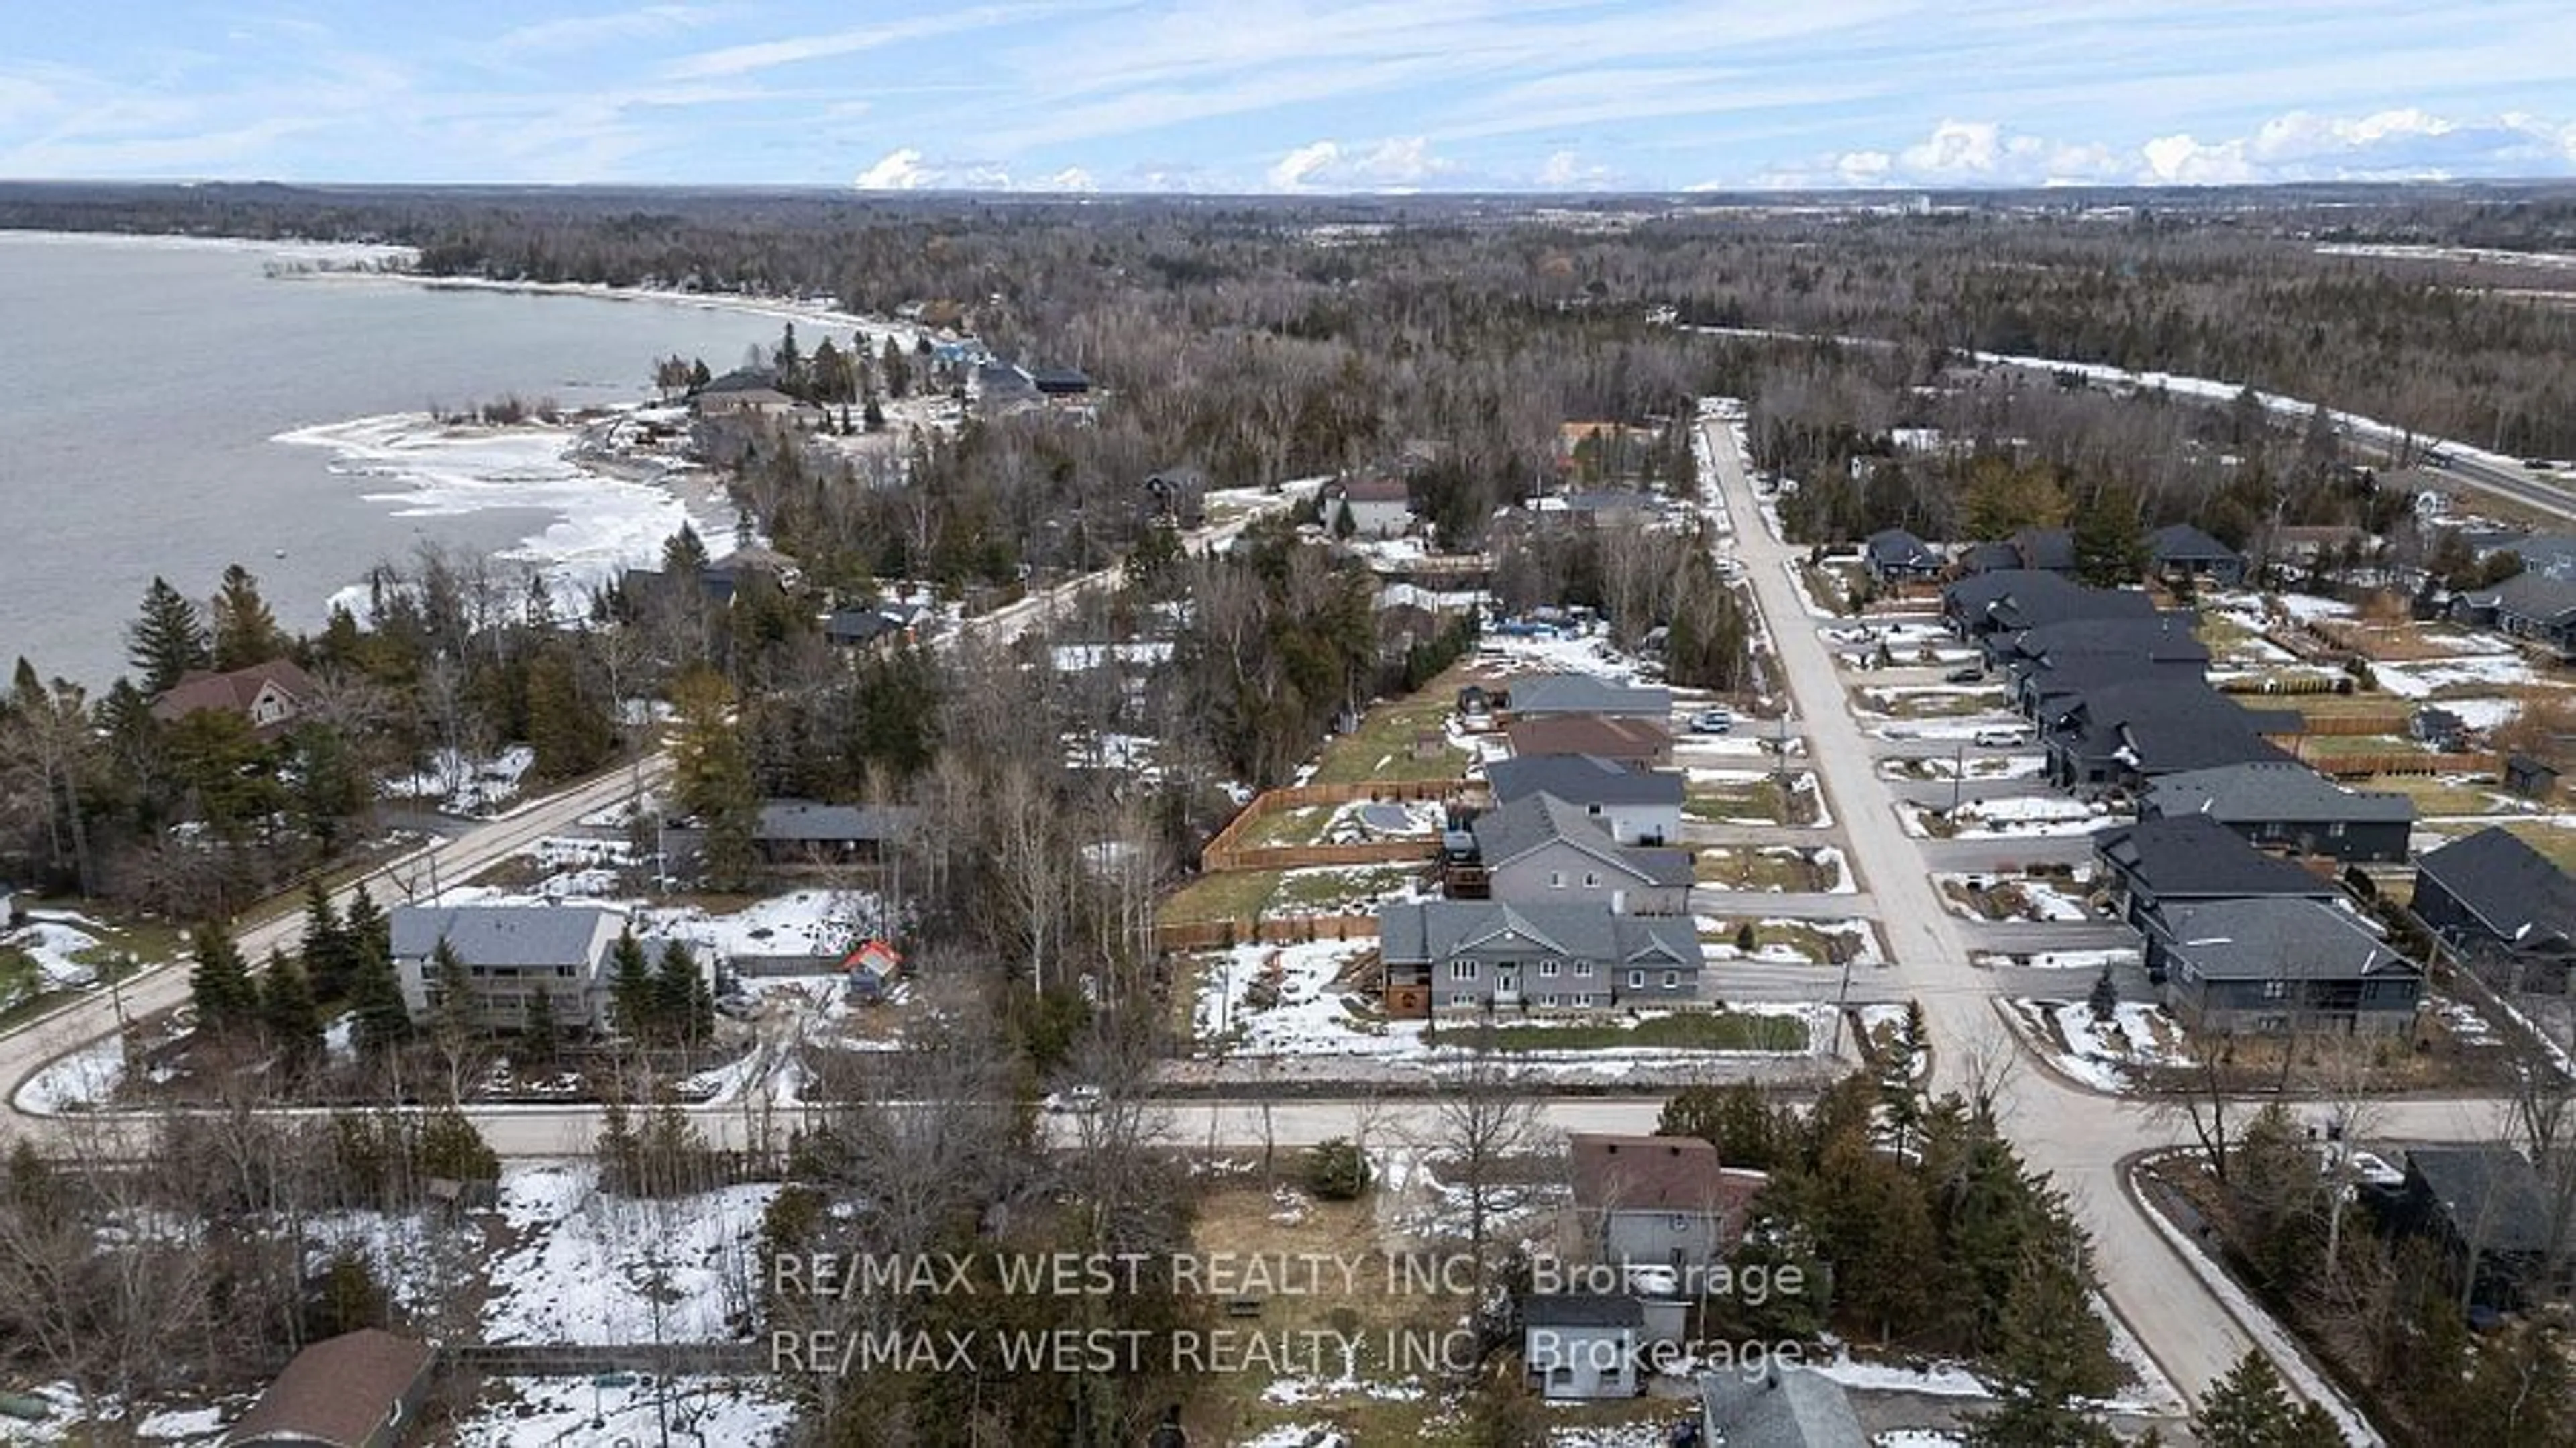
2531, 778
362, 1389
871, 969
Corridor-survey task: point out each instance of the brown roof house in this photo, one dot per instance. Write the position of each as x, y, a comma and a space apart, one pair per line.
269, 695
1636, 743
1661, 1201
362, 1389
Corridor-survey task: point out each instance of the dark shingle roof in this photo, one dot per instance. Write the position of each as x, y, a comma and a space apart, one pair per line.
2183, 543
2020, 598
1653, 1173
1584, 694
2268, 791
1554, 1309
2491, 1194
2196, 858
2051, 549
2277, 938
1582, 779
804, 820
1897, 548
2509, 886
1598, 735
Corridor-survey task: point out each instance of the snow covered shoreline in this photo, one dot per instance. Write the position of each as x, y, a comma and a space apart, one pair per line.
600, 522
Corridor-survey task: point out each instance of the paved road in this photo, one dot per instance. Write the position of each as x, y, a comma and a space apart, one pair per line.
2075, 1135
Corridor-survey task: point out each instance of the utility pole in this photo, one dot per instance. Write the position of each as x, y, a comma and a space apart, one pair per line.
1842, 998
1958, 777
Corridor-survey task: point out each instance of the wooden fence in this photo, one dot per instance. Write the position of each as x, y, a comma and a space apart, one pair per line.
1262, 930
1297, 857
2354, 766
2394, 721
1227, 852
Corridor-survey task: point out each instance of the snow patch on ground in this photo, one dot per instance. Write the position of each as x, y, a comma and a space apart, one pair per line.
456, 785
2103, 1055
587, 1267
88, 1077
51, 940
514, 1411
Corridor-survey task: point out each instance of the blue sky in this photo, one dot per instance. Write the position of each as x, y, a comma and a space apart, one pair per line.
1291, 95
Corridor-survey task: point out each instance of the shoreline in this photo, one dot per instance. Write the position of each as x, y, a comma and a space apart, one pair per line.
819, 312
603, 514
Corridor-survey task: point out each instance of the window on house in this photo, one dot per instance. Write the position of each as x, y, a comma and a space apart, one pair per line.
1547, 970
1462, 970
1556, 879
1549, 1001
2275, 989
1672, 980
1681, 1223
1582, 1000
1590, 879
1636, 980
1583, 969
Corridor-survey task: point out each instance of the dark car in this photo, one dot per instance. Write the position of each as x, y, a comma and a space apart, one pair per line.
1969, 675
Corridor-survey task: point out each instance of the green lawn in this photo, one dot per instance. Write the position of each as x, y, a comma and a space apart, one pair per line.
1688, 1031
1761, 799
1382, 749
2435, 798
2553, 841
2336, 746
1934, 706
1238, 895
1746, 869
1809, 942
1325, 885
1303, 825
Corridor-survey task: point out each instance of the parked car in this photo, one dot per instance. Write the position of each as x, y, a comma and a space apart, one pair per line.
1969, 675
1712, 721
2002, 736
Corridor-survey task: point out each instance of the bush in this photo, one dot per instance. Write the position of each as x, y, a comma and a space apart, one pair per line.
1337, 1170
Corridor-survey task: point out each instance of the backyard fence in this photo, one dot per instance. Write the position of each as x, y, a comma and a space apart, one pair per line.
1262, 930
2408, 761
1227, 851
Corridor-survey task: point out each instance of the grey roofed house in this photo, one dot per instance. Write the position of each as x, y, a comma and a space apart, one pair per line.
2049, 689
1789, 1406
855, 626
1656, 878
1060, 381
2284, 803
1582, 779
2180, 548
2535, 604
805, 820
2160, 863
2493, 893
2048, 550
497, 935
2159, 637
1489, 952
2490, 1208
2276, 963
362, 1389
2122, 733
1894, 553
1987, 558
2014, 599
1533, 694
1581, 1346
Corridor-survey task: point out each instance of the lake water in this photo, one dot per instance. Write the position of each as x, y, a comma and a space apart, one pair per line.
144, 386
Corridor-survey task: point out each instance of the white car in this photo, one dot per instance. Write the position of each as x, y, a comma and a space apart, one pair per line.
2002, 736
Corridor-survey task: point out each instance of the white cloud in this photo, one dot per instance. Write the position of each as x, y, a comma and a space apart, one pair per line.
1295, 168
899, 170
1567, 171
1398, 163
2393, 145
582, 32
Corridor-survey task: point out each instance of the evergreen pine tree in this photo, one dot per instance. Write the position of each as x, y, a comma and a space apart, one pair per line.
570, 733
220, 983
245, 632
540, 1038
366, 927
684, 554
168, 640
2053, 1353
2249, 1408
287, 1010
329, 954
453, 1009
375, 992
676, 989
711, 774
2104, 1002
630, 988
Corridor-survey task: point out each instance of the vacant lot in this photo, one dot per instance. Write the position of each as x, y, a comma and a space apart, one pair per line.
1382, 748
1795, 872
1687, 1031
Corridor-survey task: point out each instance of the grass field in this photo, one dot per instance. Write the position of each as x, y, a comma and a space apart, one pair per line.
1743, 869
1236, 895
1688, 1031
1761, 799
2554, 841
1382, 748
2435, 798
1809, 942
1319, 886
